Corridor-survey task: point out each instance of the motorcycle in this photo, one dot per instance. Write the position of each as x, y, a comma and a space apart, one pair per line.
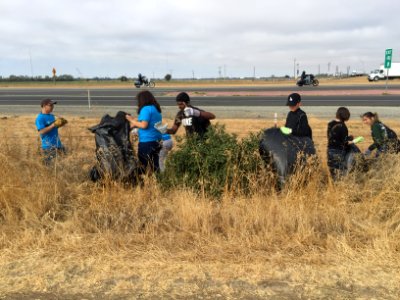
308, 79
145, 82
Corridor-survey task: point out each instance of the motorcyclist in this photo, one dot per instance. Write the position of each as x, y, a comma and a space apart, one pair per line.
141, 78
303, 76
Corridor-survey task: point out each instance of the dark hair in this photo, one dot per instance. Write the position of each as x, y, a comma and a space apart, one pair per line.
370, 115
183, 97
146, 98
343, 114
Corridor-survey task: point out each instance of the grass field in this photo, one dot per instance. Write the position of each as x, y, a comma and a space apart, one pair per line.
62, 236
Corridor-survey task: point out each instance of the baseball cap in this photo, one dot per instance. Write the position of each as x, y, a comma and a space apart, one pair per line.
47, 102
293, 99
183, 97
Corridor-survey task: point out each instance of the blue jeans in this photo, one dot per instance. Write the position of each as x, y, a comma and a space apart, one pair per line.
50, 154
148, 153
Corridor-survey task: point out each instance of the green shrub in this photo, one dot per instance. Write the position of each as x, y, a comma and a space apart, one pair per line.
219, 162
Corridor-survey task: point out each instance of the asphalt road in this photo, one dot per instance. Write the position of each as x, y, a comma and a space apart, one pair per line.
125, 97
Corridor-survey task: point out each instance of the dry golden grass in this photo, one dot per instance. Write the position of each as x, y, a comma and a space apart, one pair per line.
62, 236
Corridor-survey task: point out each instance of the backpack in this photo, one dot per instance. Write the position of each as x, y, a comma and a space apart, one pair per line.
390, 133
392, 138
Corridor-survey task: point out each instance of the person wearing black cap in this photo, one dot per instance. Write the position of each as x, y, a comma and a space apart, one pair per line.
47, 126
195, 120
296, 121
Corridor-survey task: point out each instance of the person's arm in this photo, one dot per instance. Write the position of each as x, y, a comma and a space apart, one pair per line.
378, 135
173, 129
298, 124
192, 111
303, 127
177, 124
207, 115
47, 129
42, 127
134, 123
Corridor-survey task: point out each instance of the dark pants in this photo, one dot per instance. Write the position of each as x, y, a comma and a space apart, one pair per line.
337, 163
148, 153
50, 154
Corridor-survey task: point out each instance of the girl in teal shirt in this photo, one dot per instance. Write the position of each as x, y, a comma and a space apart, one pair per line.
149, 114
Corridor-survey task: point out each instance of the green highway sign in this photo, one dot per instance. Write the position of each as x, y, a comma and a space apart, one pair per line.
388, 58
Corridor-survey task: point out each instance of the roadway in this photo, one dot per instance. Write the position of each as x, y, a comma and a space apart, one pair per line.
165, 96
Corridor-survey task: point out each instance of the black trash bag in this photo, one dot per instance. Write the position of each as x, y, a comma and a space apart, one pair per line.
284, 152
114, 151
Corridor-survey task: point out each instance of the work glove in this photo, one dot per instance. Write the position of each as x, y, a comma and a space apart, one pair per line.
191, 112
286, 130
60, 122
367, 152
187, 122
358, 139
162, 128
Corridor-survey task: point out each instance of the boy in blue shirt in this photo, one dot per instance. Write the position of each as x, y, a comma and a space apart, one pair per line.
47, 126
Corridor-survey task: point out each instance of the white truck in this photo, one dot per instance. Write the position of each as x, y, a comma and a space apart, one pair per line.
394, 72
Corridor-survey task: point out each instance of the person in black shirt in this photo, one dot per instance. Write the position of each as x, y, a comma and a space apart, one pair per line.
297, 119
195, 120
340, 143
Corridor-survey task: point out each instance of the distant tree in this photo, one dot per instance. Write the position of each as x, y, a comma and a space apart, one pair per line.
123, 78
65, 77
168, 77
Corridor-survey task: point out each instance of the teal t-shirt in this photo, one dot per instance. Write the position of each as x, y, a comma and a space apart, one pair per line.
166, 137
51, 138
151, 115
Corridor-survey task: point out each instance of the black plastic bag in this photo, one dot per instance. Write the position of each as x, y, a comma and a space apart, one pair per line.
284, 152
114, 151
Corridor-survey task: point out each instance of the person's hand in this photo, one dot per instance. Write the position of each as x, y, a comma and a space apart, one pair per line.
129, 118
162, 128
286, 130
60, 122
191, 112
358, 139
367, 153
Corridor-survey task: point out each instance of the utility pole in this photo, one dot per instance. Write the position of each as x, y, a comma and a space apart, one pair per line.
254, 73
30, 61
294, 69
193, 74
319, 69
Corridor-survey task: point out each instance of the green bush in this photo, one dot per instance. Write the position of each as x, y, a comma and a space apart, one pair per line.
219, 162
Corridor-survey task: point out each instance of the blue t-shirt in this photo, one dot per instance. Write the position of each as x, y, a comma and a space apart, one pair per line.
166, 137
151, 115
49, 139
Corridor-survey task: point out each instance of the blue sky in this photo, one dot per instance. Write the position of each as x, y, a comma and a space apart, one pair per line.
114, 38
